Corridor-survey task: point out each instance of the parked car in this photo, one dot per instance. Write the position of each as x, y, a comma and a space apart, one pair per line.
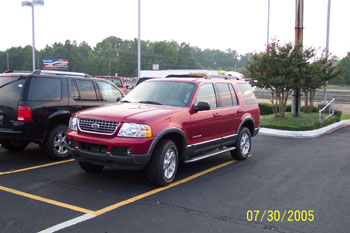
164, 121
142, 79
36, 107
118, 81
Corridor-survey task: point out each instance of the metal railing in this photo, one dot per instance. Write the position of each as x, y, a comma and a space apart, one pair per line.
322, 112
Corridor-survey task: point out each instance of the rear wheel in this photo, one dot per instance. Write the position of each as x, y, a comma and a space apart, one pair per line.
14, 146
55, 143
91, 168
243, 145
164, 162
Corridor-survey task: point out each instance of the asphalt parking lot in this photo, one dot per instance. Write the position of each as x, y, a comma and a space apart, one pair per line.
287, 185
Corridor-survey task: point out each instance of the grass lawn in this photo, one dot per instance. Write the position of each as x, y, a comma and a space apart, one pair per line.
307, 121
345, 117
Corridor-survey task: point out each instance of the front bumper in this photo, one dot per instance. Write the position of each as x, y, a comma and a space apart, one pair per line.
115, 152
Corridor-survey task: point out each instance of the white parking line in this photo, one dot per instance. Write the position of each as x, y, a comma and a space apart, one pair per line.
69, 223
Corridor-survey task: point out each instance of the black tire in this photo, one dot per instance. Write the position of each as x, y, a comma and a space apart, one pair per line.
243, 145
55, 143
14, 146
164, 163
91, 168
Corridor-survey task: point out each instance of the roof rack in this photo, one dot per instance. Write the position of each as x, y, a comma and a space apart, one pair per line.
186, 76
55, 72
205, 76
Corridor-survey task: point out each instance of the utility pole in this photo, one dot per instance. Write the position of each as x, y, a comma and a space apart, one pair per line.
299, 22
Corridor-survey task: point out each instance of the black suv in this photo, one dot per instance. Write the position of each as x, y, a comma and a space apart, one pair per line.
36, 106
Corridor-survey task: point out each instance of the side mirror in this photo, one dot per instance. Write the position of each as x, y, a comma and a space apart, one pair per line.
201, 106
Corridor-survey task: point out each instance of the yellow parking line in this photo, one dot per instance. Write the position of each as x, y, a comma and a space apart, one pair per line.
36, 167
49, 201
111, 207
157, 190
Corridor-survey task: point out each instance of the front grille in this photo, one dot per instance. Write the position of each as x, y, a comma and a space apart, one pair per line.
97, 126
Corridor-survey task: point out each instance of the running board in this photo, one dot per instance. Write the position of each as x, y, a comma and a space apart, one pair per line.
209, 155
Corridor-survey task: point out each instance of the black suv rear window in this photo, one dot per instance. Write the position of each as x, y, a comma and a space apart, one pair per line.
11, 89
44, 88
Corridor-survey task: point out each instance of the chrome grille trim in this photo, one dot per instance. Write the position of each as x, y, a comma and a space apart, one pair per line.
101, 126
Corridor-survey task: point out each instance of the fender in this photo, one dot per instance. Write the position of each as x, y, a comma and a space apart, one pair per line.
165, 132
51, 118
65, 113
245, 120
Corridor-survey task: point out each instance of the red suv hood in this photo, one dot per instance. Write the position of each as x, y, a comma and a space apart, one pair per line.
129, 112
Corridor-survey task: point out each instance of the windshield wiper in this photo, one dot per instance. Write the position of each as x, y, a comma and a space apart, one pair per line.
149, 102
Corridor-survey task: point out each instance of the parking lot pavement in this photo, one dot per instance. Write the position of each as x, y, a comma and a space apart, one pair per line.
298, 177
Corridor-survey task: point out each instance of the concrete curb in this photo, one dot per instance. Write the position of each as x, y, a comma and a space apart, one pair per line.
304, 134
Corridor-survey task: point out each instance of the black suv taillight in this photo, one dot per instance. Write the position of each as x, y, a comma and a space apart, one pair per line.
24, 113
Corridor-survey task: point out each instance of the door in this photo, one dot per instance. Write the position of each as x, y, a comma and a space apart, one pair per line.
205, 130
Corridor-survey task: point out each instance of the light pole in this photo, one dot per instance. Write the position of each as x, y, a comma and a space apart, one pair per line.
268, 23
32, 4
139, 41
324, 99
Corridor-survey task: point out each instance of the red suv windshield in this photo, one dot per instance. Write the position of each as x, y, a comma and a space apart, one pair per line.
162, 92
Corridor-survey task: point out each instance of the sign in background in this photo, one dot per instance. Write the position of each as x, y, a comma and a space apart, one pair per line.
55, 64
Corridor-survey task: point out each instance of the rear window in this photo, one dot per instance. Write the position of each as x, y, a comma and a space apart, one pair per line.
225, 95
116, 81
247, 93
43, 88
11, 89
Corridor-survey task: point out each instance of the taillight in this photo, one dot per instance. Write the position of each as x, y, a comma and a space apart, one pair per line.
24, 113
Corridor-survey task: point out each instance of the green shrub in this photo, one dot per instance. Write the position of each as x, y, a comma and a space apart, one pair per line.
307, 121
266, 108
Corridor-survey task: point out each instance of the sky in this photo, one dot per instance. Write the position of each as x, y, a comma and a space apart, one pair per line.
239, 25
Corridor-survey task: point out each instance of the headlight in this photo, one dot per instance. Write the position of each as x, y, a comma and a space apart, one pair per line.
73, 123
134, 130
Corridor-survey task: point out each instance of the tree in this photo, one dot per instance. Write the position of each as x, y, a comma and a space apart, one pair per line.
280, 69
321, 71
343, 68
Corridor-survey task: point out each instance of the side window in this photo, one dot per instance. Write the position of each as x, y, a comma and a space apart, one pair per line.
247, 93
109, 93
74, 90
86, 89
45, 88
225, 99
206, 93
233, 94
116, 81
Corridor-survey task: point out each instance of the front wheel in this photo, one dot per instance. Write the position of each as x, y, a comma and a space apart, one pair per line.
55, 143
14, 146
243, 145
164, 162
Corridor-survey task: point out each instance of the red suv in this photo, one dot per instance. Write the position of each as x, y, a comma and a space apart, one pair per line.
164, 121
